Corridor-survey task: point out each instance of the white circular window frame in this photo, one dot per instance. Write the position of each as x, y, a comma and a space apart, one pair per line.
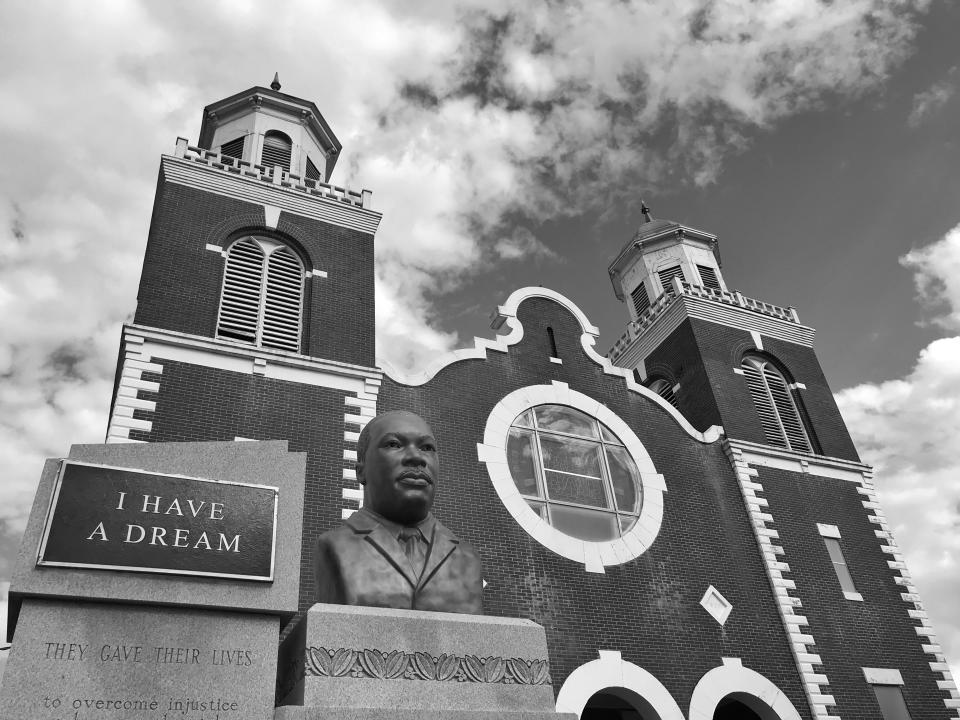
594, 556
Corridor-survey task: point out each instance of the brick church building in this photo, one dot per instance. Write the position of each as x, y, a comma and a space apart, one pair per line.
686, 514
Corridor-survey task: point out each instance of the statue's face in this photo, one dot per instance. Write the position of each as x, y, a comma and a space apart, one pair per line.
400, 469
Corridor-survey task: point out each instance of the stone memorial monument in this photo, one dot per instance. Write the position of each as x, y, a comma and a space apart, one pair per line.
152, 581
412, 643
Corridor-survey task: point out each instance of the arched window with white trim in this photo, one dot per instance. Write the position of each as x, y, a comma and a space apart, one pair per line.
262, 297
776, 405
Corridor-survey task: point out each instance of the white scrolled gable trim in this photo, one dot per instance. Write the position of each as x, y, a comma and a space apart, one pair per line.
506, 315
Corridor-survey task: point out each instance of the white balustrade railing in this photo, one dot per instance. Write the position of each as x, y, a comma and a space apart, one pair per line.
275, 175
679, 288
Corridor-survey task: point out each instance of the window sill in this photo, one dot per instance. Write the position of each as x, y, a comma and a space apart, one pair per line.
853, 596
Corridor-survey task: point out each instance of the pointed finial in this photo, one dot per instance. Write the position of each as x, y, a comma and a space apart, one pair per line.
275, 85
645, 211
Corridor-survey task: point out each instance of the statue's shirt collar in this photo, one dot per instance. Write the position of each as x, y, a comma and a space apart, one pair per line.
425, 526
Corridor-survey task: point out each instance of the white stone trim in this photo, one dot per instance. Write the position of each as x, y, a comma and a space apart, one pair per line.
716, 604
882, 676
593, 555
136, 361
816, 685
506, 316
359, 410
757, 339
733, 678
614, 674
756, 454
848, 595
271, 216
203, 177
830, 531
556, 360
246, 358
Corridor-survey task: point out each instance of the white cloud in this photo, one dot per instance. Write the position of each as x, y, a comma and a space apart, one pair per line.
918, 472
929, 101
937, 278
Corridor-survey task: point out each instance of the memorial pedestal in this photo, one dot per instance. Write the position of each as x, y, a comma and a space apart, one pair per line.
362, 663
178, 622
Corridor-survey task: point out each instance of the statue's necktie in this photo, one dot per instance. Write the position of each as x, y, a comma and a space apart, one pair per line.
413, 548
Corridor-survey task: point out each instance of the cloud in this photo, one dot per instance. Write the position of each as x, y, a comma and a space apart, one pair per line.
929, 101
937, 278
918, 477
522, 243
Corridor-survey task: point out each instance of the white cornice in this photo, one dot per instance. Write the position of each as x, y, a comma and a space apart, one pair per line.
254, 190
198, 350
691, 306
759, 455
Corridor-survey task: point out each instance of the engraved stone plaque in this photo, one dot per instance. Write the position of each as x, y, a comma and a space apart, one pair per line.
93, 661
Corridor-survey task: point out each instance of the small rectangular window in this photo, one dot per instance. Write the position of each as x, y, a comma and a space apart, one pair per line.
891, 702
840, 565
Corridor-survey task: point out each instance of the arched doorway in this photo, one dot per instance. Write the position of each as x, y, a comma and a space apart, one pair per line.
618, 704
732, 708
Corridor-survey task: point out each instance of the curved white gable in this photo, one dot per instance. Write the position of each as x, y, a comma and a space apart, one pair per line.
507, 315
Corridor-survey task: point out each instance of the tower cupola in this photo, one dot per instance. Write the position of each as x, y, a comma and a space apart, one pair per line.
659, 252
263, 126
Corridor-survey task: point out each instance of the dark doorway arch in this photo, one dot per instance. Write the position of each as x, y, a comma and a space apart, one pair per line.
741, 706
618, 704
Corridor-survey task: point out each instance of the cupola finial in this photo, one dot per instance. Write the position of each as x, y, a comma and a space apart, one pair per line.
645, 211
275, 85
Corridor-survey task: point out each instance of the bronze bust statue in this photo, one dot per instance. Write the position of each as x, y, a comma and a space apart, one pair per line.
393, 552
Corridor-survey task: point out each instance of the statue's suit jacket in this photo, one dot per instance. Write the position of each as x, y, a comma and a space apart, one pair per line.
361, 563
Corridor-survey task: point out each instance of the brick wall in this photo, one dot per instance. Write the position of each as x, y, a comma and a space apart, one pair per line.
850, 635
647, 608
181, 280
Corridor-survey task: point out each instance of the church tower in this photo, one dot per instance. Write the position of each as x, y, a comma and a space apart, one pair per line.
255, 311
859, 634
718, 356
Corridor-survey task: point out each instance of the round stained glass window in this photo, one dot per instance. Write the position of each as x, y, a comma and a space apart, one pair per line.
574, 472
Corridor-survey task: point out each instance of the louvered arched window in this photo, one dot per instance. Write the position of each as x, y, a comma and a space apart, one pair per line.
262, 295
773, 398
277, 149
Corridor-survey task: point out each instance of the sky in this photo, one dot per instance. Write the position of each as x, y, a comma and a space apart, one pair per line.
508, 144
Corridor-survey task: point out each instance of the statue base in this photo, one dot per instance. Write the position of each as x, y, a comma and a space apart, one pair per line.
367, 663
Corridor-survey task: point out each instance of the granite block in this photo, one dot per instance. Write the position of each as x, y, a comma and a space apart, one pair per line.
96, 661
359, 657
265, 463
291, 712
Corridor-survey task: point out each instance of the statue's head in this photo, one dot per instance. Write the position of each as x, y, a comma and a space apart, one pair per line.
398, 466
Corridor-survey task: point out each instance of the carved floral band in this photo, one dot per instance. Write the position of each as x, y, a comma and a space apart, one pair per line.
381, 665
